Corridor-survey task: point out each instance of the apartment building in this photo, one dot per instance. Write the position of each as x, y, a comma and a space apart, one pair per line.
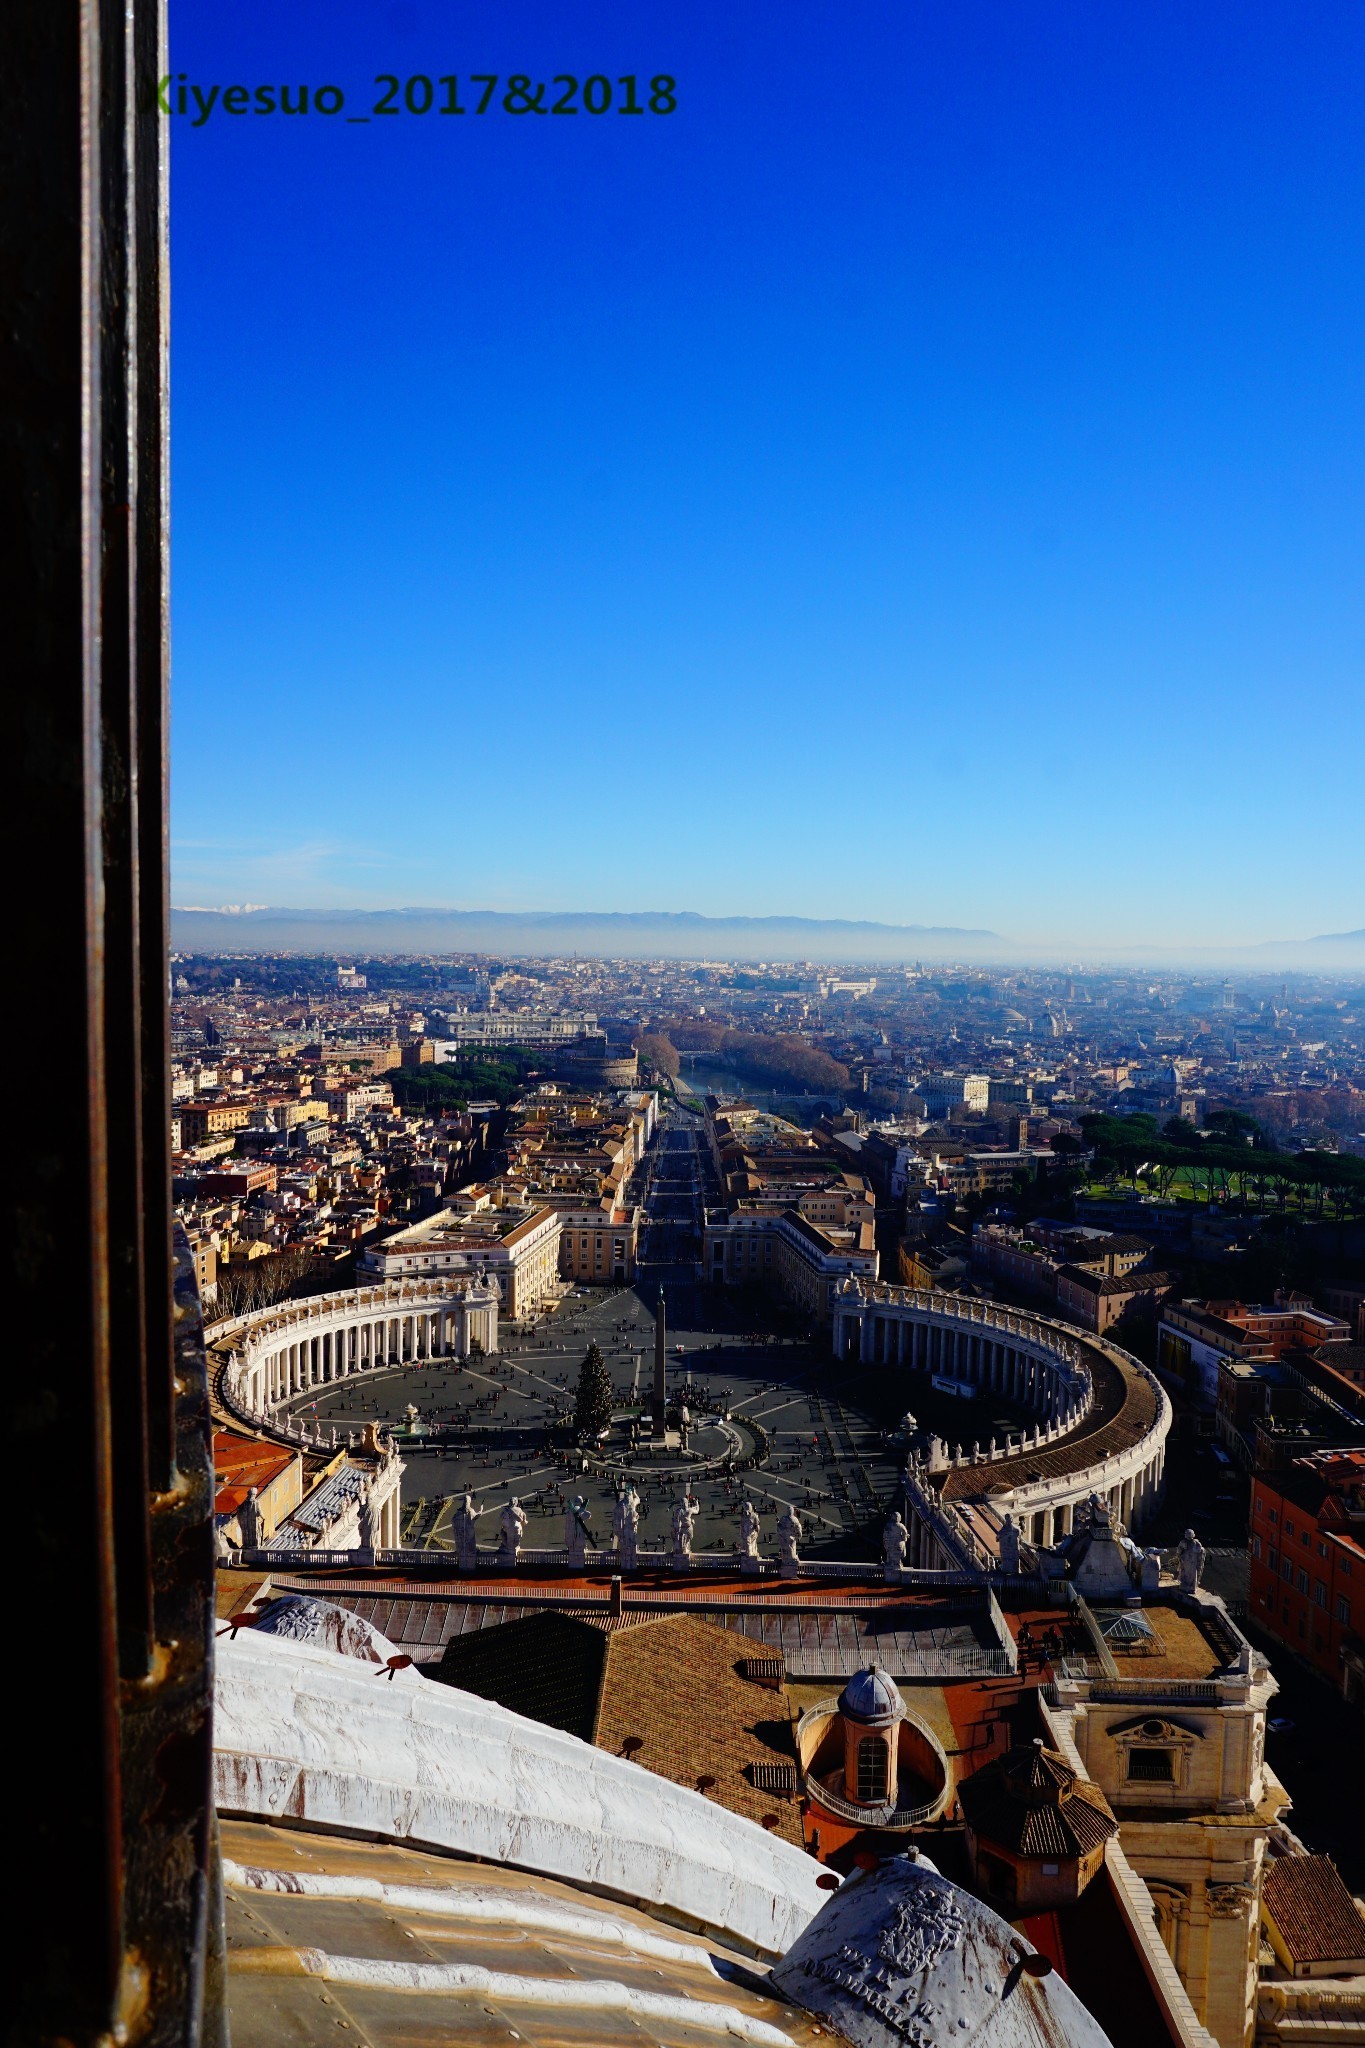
1194, 1337
1097, 1300
793, 1219
1308, 1562
515, 1246
203, 1120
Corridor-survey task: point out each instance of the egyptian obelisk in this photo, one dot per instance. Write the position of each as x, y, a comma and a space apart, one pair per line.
659, 1404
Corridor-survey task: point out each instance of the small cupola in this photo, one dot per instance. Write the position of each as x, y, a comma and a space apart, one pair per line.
871, 1709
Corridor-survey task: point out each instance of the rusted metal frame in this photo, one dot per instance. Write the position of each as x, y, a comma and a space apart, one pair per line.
151, 652
65, 1799
173, 1904
117, 685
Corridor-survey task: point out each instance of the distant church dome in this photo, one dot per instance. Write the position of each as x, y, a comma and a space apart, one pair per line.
872, 1697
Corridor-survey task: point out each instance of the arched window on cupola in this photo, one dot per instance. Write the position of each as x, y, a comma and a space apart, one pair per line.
872, 1775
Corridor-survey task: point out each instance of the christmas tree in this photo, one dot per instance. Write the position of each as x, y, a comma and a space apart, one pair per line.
592, 1403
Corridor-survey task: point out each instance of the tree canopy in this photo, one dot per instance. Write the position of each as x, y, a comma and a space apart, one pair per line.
1232, 1161
472, 1078
658, 1048
592, 1401
779, 1058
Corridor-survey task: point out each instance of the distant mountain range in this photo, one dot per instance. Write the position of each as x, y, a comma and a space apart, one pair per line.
687, 935
632, 934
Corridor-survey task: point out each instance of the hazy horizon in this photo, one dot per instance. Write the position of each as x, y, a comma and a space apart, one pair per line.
608, 934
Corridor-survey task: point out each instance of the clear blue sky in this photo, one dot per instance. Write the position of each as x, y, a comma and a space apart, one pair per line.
920, 479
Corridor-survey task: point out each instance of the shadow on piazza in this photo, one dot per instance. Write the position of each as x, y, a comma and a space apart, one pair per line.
1102, 1419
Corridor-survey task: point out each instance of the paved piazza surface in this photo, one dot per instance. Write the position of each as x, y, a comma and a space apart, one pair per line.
826, 1436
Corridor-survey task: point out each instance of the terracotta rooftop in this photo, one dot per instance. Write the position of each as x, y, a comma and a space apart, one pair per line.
668, 1691
1030, 1801
1311, 1910
241, 1462
820, 1634
676, 1683
547, 1666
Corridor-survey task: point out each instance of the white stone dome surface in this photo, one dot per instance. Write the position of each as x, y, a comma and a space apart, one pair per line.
901, 1958
301, 1619
304, 1731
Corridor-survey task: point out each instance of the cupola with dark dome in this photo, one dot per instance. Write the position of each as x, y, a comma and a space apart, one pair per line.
872, 1698
871, 1709
868, 1759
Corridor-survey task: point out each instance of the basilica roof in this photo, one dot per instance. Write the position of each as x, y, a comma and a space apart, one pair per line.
1032, 1802
374, 1747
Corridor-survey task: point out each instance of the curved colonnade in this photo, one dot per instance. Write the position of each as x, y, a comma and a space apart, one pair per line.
1102, 1416
275, 1356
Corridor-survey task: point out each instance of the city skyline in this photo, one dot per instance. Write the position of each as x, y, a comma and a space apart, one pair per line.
914, 480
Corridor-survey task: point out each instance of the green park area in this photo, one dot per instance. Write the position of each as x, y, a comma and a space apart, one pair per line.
1231, 1161
457, 1083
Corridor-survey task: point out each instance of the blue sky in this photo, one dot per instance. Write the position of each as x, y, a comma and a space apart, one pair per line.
918, 479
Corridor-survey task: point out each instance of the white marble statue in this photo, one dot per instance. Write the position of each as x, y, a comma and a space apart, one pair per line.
512, 1522
625, 1522
1009, 1547
250, 1520
748, 1529
895, 1544
465, 1524
1189, 1556
369, 1523
788, 1537
684, 1524
576, 1518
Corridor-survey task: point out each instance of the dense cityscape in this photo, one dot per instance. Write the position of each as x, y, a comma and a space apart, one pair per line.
691, 1324
1025, 1310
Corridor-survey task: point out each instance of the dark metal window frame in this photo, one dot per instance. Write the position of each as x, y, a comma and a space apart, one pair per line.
108, 1417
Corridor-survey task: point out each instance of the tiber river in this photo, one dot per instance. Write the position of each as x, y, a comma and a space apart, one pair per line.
706, 1078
